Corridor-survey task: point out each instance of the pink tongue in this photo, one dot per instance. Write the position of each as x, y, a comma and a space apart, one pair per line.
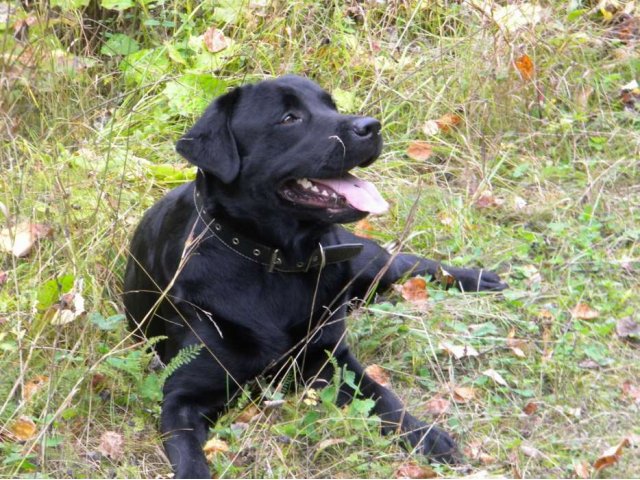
361, 195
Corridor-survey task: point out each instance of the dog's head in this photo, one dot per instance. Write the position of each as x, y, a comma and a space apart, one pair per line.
281, 145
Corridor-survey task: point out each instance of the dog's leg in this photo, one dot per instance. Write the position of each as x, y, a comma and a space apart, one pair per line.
195, 396
425, 438
374, 259
184, 425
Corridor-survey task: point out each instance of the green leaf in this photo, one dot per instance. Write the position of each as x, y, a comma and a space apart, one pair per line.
228, 11
191, 94
575, 14
359, 408
68, 4
175, 54
345, 100
119, 5
328, 394
119, 44
145, 66
110, 323
49, 292
151, 388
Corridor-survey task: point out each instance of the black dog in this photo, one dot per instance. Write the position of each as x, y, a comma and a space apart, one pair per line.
249, 261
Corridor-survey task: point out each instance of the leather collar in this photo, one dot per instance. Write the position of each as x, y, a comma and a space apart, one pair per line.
273, 258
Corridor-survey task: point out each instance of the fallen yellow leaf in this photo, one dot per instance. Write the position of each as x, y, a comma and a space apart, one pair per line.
437, 405
411, 470
496, 377
463, 394
584, 312
459, 351
23, 428
414, 290
378, 375
448, 121
524, 64
214, 40
213, 447
419, 150
19, 240
611, 455
112, 445
32, 386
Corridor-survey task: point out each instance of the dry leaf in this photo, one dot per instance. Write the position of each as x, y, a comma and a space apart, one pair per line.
459, 351
444, 278
632, 391
496, 377
23, 428
611, 455
545, 314
445, 219
414, 290
437, 405
584, 312
516, 345
71, 307
273, 404
329, 442
582, 469
475, 452
488, 200
463, 394
19, 240
430, 128
419, 150
411, 470
589, 364
530, 451
531, 408
214, 40
248, 413
363, 229
524, 64
626, 28
448, 121
473, 449
519, 203
627, 328
514, 16
111, 445
213, 447
32, 386
378, 375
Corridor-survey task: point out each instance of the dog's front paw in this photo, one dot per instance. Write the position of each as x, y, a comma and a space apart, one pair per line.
473, 280
435, 444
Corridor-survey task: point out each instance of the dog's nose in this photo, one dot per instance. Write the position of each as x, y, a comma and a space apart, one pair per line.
366, 126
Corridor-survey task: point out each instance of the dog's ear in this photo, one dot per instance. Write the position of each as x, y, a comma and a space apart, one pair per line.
210, 145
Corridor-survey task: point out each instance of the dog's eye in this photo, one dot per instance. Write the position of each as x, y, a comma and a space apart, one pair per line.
289, 119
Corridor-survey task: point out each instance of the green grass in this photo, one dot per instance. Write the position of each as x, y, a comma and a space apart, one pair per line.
87, 146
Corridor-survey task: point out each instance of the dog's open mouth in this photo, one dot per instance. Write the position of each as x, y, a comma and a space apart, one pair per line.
335, 194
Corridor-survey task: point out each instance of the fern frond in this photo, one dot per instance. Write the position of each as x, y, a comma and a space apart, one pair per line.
183, 357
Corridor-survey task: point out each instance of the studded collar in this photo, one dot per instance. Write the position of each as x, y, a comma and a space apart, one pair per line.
273, 258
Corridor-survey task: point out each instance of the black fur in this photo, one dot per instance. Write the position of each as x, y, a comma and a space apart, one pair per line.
252, 321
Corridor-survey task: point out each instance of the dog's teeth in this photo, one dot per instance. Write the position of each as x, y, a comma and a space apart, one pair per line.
315, 189
325, 193
304, 183
333, 195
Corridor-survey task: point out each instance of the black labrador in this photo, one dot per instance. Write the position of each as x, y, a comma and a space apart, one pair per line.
249, 261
